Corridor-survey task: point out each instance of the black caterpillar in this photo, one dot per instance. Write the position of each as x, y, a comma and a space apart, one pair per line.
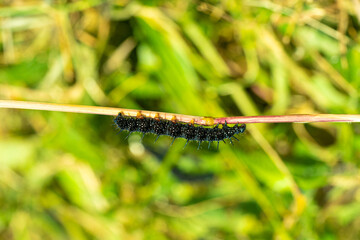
177, 129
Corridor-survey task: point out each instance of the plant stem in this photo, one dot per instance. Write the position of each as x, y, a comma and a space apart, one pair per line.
300, 118
294, 118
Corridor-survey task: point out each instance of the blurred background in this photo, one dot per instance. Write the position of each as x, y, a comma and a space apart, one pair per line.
71, 176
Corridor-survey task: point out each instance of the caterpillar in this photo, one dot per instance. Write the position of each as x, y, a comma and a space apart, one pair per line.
176, 129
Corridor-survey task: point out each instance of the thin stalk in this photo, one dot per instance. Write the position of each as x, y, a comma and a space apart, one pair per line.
293, 118
101, 111
300, 118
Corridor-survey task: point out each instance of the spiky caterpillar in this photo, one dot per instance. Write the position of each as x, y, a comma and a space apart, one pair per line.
177, 129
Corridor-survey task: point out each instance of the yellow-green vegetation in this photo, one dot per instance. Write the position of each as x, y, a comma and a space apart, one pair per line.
70, 176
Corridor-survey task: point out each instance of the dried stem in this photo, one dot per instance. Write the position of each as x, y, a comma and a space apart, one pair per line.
303, 118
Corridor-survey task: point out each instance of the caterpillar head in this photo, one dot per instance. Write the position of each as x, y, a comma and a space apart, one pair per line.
240, 129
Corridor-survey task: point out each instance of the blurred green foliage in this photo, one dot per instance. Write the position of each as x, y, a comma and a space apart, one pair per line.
70, 176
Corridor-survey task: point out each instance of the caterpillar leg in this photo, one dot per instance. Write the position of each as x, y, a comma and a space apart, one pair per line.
186, 144
209, 145
156, 139
142, 137
173, 141
199, 145
235, 138
128, 135
218, 145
